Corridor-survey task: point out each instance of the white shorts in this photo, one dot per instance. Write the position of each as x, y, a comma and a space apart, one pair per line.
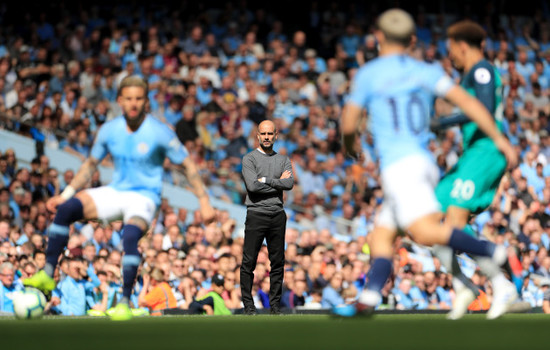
408, 187
114, 205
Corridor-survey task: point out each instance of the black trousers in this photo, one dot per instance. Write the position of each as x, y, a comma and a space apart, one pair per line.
258, 226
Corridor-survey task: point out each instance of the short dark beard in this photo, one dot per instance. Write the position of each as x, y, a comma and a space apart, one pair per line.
266, 150
134, 124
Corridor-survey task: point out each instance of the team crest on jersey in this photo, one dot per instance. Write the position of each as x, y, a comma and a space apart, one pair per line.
142, 147
482, 75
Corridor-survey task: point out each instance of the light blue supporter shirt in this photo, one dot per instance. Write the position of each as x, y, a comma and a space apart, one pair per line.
398, 92
138, 156
6, 297
331, 297
72, 294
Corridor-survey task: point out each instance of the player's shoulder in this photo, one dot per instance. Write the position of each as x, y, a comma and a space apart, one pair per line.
156, 123
401, 62
482, 72
422, 66
115, 122
161, 129
376, 65
113, 125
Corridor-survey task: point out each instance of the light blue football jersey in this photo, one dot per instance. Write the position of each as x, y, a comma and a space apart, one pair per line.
138, 156
398, 92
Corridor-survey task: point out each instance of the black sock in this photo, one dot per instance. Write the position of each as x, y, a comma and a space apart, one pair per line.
461, 241
131, 259
378, 274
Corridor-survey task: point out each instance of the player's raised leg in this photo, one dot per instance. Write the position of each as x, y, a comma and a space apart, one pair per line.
504, 291
69, 209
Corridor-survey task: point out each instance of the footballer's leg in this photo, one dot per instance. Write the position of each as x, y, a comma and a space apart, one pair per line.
466, 291
381, 268
74, 209
137, 218
131, 233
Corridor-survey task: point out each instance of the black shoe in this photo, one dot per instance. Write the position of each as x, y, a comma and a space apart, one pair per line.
275, 311
250, 311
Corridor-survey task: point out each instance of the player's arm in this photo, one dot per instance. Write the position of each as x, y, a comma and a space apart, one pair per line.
251, 178
479, 114
198, 188
447, 121
194, 178
80, 180
286, 181
350, 121
84, 174
484, 87
178, 154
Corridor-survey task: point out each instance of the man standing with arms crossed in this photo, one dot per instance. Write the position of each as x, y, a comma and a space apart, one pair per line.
398, 93
138, 144
471, 184
266, 175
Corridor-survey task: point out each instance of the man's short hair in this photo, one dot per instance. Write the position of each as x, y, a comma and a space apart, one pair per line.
6, 265
468, 31
133, 80
218, 280
397, 26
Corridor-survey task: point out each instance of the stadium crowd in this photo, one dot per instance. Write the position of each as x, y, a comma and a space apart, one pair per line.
213, 77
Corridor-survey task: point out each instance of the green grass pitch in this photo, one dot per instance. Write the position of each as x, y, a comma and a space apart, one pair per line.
519, 332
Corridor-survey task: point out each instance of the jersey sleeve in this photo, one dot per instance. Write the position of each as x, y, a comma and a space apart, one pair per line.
175, 151
483, 81
436, 80
99, 149
360, 92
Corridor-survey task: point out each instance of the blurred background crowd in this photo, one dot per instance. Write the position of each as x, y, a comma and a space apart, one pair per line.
214, 73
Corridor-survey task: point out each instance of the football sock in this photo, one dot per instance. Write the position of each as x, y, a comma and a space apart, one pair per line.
461, 241
131, 259
488, 267
378, 274
499, 280
58, 232
449, 260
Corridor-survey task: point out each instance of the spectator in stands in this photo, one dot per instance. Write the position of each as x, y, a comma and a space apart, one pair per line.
263, 293
211, 303
296, 296
7, 273
331, 293
156, 294
69, 298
